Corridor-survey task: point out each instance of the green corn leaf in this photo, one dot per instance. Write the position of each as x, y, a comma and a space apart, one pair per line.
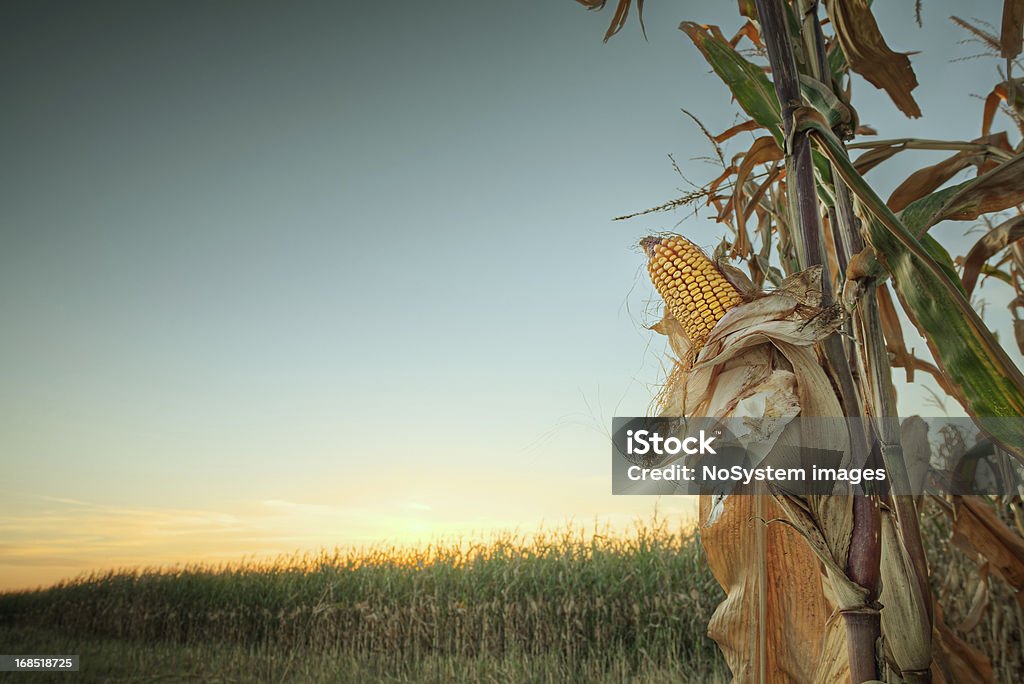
919, 215
752, 89
988, 384
819, 96
942, 259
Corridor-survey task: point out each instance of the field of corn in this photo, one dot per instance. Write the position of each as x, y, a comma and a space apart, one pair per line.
552, 607
572, 605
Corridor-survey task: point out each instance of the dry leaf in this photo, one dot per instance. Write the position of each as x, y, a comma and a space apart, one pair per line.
762, 151
893, 331
905, 613
774, 614
621, 14
925, 181
999, 189
868, 55
977, 530
1013, 28
875, 156
984, 249
735, 130
955, 660
978, 603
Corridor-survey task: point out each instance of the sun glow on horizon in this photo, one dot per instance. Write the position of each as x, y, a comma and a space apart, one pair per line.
54, 539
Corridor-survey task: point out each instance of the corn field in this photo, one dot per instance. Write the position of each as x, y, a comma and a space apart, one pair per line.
552, 607
569, 598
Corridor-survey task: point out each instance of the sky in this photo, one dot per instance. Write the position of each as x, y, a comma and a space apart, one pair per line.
282, 276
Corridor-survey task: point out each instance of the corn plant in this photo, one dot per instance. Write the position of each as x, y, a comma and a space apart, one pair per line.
847, 576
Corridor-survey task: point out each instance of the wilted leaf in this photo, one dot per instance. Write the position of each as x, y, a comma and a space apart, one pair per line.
984, 249
748, 83
620, 16
875, 156
749, 31
925, 181
979, 602
999, 189
1013, 28
956, 660
978, 531
735, 130
868, 54
762, 151
893, 331
1001, 93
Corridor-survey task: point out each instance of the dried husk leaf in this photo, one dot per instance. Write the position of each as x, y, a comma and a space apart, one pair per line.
774, 612
775, 622
739, 280
905, 614
826, 522
917, 451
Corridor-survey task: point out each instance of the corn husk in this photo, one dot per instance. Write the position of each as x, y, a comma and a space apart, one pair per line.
779, 620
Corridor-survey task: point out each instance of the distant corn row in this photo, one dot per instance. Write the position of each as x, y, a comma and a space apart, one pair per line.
577, 595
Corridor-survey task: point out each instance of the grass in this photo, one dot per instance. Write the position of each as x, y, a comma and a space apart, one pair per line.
556, 607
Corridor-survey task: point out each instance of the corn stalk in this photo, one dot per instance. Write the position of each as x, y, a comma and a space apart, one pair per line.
863, 625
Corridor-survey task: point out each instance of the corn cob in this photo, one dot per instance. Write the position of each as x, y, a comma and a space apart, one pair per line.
695, 291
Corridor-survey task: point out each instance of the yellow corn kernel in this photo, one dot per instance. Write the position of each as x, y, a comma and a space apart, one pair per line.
695, 292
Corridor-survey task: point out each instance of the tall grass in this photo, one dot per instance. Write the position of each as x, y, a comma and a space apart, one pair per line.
625, 603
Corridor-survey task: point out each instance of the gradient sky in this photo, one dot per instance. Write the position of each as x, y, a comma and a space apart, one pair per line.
276, 276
